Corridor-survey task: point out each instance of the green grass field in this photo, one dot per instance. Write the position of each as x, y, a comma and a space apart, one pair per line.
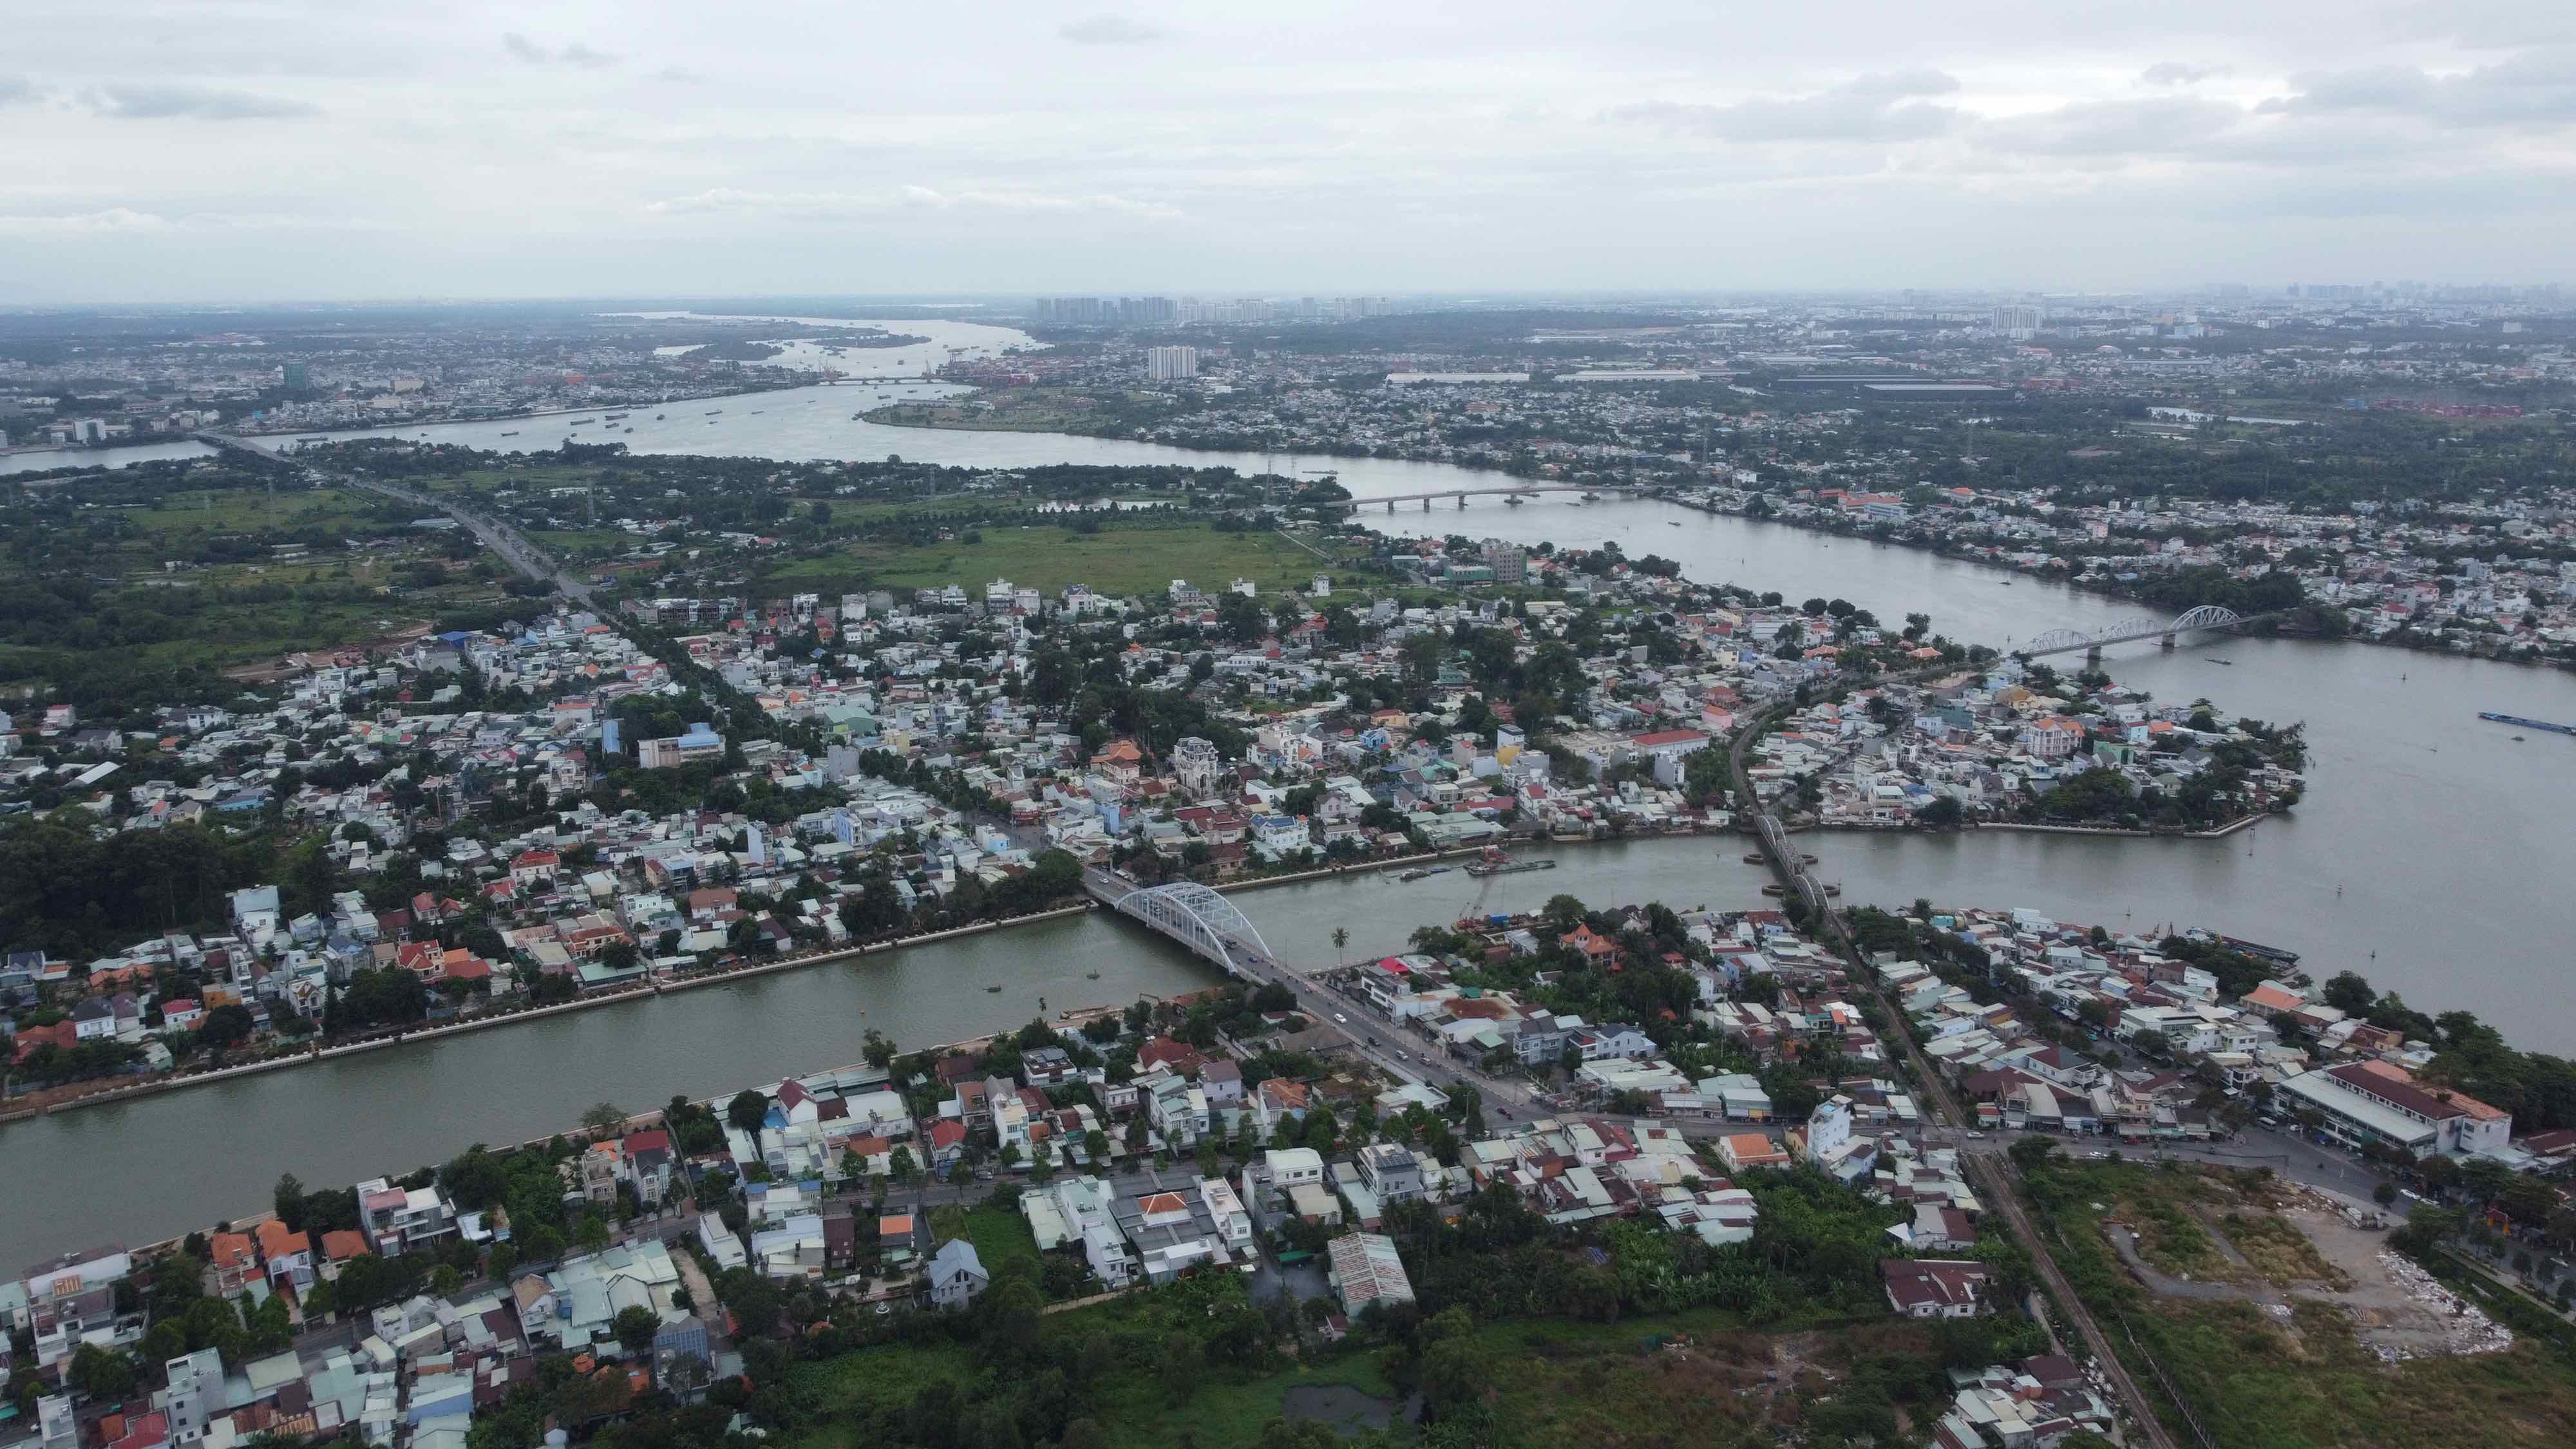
1000, 1236
1616, 1385
1121, 560
188, 519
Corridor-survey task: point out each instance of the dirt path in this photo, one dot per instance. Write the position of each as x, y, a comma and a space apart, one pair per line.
2124, 1241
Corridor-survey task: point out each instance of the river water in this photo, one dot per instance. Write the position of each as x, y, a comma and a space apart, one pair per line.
2432, 854
45, 459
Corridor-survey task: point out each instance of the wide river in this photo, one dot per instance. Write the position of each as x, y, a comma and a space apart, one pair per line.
2431, 854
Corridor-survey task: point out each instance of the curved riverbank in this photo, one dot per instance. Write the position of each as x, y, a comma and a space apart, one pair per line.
669, 986
608, 996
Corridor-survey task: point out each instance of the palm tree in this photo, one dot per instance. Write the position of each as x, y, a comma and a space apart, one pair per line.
1341, 938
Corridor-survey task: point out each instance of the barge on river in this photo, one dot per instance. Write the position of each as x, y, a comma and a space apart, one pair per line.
2529, 724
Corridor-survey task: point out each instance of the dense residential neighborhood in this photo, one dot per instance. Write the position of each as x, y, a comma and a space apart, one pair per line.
1223, 1146
1817, 1171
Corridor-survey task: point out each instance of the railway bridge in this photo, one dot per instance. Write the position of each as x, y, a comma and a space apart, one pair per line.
2208, 618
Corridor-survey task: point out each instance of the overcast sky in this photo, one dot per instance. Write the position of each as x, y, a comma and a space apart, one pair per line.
278, 149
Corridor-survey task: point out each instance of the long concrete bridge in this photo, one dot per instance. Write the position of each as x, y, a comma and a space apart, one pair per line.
1625, 490
493, 534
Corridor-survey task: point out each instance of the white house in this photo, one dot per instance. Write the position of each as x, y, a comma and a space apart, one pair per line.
956, 1275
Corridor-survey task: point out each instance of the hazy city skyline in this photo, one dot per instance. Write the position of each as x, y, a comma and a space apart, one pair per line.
236, 151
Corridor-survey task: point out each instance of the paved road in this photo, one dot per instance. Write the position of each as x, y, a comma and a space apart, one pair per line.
2291, 1158
1402, 1057
514, 550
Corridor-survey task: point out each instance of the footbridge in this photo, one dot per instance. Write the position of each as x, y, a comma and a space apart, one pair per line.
1624, 490
2211, 618
1197, 917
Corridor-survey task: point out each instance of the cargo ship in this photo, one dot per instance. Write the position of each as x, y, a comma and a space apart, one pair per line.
2529, 724
1497, 863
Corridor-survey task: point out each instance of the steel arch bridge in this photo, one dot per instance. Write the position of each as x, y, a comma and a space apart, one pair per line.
2059, 641
1204, 921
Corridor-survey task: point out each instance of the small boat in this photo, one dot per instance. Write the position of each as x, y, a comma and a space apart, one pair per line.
2008, 583
657, 417
711, 412
1672, 523
511, 434
1514, 502
994, 989
2206, 659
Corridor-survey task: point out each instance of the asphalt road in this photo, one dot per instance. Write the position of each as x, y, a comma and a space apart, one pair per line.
2298, 1161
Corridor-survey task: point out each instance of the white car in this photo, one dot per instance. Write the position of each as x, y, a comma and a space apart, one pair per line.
1344, 1020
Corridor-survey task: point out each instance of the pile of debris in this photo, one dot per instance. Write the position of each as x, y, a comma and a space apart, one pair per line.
2465, 1326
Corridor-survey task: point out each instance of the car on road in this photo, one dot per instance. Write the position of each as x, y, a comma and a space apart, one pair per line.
1344, 1020
1976, 1137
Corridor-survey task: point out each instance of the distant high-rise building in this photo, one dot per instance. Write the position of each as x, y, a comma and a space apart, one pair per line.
2017, 322
1171, 364
298, 377
1106, 311
1509, 563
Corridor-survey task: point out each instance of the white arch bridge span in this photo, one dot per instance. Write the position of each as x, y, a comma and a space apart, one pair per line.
1197, 917
2211, 618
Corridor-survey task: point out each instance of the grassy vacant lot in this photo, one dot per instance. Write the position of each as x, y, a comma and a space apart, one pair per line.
1698, 1378
2256, 1380
1000, 1236
2310, 1384
1116, 560
186, 520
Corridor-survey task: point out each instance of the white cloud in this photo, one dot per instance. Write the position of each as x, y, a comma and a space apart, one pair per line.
162, 103
2114, 128
1108, 30
115, 219
2176, 73
2529, 90
1451, 145
1887, 107
729, 200
572, 53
